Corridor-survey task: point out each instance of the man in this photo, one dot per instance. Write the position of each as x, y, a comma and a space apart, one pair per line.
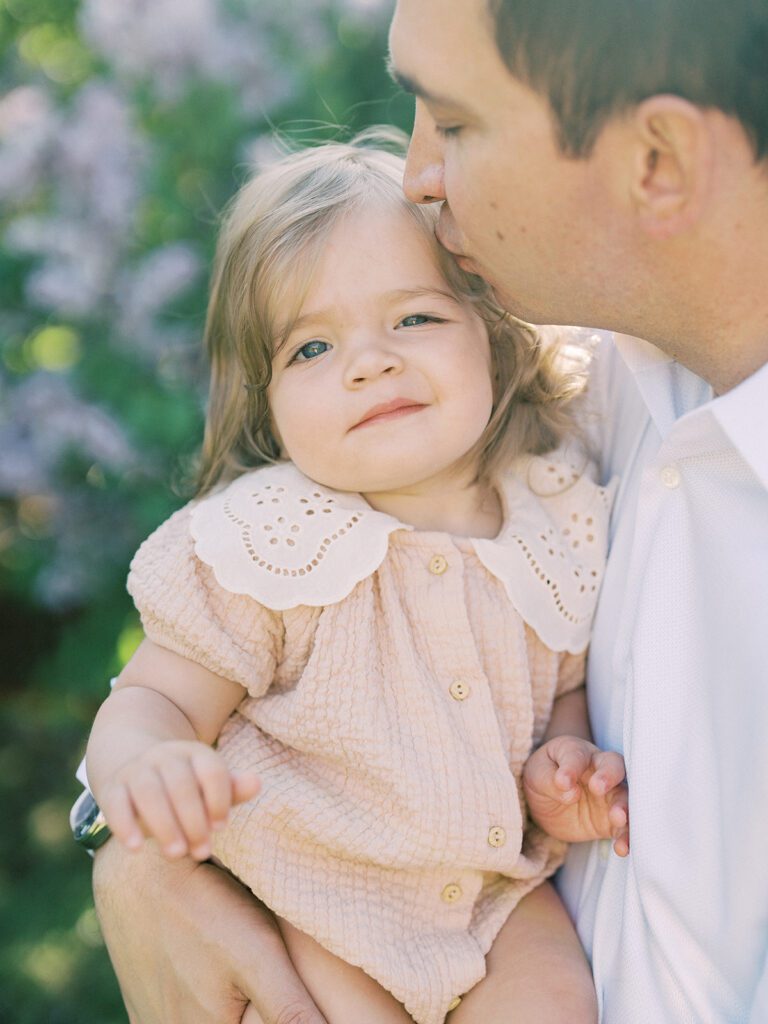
606, 166
604, 163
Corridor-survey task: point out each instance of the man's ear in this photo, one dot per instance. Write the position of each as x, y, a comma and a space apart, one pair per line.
672, 166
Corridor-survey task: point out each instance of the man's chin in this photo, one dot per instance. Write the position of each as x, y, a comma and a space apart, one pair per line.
506, 299
518, 309
467, 265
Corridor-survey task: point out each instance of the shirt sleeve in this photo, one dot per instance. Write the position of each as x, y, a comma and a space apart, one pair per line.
185, 609
571, 672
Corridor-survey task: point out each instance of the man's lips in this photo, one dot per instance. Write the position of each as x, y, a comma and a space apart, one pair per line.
389, 411
463, 261
445, 242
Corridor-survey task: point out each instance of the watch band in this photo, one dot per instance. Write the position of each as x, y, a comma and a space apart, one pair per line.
89, 827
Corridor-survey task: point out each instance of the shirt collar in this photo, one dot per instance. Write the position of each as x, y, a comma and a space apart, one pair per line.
742, 413
670, 391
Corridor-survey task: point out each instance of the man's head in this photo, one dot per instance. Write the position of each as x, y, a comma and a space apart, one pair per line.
593, 152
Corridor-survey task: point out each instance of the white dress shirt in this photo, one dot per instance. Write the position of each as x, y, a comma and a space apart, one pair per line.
678, 681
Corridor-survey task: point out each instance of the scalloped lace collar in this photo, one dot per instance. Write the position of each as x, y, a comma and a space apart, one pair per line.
286, 541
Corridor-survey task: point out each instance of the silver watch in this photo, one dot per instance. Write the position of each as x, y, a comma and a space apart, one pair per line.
89, 827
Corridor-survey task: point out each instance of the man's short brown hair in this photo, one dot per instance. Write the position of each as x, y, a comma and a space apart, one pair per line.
593, 59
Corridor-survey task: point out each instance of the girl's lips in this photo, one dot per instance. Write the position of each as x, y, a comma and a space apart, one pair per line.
389, 411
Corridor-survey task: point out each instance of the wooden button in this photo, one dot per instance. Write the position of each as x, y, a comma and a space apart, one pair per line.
458, 689
437, 565
497, 836
451, 893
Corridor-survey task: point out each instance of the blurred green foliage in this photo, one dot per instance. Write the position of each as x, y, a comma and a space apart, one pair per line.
61, 644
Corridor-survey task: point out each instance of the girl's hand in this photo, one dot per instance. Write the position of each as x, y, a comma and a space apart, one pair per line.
577, 792
177, 792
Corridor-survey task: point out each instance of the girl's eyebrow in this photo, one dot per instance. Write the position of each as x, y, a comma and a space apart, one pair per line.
327, 316
400, 294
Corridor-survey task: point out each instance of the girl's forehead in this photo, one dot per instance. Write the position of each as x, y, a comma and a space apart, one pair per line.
373, 241
374, 248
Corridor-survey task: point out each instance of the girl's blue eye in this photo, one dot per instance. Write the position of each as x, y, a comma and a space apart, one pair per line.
311, 350
449, 132
416, 320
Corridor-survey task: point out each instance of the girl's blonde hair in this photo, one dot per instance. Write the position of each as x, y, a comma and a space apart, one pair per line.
270, 242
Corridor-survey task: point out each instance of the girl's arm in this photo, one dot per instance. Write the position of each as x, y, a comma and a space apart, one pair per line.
569, 716
149, 760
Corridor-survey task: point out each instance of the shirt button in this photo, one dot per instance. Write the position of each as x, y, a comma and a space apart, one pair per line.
458, 689
454, 1003
451, 893
605, 846
497, 836
670, 476
437, 565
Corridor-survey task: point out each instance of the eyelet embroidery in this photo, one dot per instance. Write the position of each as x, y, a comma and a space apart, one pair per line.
286, 541
282, 531
578, 535
564, 558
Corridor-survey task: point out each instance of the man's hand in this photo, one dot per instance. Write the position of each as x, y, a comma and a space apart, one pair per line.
176, 791
191, 945
577, 792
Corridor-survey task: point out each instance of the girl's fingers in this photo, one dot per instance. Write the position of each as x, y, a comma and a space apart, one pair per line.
621, 843
184, 795
153, 807
214, 782
618, 818
572, 761
118, 811
609, 771
245, 786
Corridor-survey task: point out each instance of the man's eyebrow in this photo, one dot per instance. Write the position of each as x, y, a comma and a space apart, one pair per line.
415, 88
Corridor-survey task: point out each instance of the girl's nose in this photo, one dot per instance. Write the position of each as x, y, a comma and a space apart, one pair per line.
369, 362
423, 180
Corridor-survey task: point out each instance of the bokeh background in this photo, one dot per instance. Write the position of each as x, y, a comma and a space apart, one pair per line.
124, 128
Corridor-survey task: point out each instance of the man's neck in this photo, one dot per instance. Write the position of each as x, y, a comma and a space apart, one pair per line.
724, 353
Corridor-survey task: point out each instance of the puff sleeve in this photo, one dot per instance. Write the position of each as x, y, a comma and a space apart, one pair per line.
185, 609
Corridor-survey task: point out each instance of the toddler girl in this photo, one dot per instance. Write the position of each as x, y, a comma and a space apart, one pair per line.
377, 608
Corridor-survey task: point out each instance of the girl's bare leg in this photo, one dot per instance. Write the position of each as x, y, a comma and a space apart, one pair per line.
344, 994
537, 970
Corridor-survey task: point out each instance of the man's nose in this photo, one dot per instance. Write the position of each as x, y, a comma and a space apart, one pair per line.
423, 180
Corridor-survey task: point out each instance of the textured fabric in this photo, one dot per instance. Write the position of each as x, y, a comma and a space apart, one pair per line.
389, 727
678, 681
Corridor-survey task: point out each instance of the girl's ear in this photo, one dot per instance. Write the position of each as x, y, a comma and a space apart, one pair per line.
673, 158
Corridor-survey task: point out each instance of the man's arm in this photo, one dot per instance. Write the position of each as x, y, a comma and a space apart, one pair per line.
191, 945
188, 942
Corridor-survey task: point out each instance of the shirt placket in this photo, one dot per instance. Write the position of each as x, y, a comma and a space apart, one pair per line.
463, 686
